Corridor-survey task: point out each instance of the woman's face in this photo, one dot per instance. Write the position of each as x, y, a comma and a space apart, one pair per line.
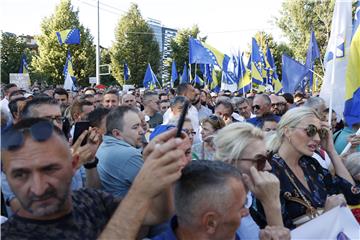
299, 138
254, 155
207, 131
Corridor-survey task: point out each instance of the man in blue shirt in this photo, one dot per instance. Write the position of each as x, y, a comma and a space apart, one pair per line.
119, 155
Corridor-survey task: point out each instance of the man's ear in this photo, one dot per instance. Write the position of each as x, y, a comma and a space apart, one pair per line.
210, 222
75, 162
116, 133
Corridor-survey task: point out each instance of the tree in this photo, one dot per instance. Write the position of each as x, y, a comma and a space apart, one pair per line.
134, 44
49, 64
12, 48
180, 46
107, 80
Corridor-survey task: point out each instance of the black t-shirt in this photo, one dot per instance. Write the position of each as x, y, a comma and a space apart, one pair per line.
155, 120
92, 209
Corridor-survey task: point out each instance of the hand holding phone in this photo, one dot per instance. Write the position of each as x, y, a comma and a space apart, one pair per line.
182, 119
79, 128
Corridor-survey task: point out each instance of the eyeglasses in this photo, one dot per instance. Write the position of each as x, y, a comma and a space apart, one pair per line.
13, 139
311, 130
256, 107
58, 119
260, 160
188, 132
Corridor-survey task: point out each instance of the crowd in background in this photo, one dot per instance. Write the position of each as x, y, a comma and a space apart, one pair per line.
246, 167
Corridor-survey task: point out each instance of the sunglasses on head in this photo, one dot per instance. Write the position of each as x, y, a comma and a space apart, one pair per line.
13, 139
311, 130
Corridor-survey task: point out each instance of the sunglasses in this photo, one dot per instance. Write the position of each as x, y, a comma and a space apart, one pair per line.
13, 139
256, 107
311, 130
260, 160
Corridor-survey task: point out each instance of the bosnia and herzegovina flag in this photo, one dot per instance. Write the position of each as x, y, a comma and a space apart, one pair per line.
150, 80
352, 84
69, 36
70, 79
24, 68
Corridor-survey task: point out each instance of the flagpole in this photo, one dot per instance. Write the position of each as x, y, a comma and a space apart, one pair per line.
332, 77
242, 75
98, 46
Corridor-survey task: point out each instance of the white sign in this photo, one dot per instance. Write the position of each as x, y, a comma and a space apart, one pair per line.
22, 80
92, 80
126, 88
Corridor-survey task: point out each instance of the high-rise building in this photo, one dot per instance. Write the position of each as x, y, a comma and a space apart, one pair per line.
163, 36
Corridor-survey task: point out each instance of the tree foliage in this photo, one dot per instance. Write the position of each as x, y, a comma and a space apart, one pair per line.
12, 48
134, 44
180, 46
107, 80
49, 64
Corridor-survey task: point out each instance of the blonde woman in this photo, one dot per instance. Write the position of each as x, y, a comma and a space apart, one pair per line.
243, 146
307, 189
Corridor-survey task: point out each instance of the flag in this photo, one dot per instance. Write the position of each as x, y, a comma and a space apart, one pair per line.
352, 84
24, 68
293, 73
70, 79
256, 69
277, 86
150, 79
356, 17
312, 54
198, 80
244, 76
336, 56
200, 54
185, 75
126, 72
174, 74
69, 36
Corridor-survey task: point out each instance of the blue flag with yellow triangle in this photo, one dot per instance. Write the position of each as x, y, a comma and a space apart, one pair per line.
24, 68
150, 81
69, 36
256, 64
70, 79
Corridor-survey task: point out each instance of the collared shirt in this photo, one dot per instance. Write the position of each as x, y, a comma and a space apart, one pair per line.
169, 234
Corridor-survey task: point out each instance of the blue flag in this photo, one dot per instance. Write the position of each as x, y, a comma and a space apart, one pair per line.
293, 73
256, 67
24, 68
69, 36
185, 75
198, 80
356, 18
200, 54
313, 53
174, 74
150, 80
274, 77
126, 72
70, 79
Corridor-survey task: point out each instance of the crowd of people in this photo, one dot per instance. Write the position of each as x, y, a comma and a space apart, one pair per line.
245, 167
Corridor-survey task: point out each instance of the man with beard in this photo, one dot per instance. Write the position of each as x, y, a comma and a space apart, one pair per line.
62, 97
199, 104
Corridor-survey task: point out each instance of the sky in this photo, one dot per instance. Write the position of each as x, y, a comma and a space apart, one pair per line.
228, 24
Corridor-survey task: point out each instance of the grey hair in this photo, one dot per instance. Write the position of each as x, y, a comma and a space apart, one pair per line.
352, 163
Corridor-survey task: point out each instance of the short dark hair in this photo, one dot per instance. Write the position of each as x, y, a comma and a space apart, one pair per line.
148, 94
8, 86
181, 89
97, 115
112, 91
60, 91
77, 107
178, 100
13, 105
267, 118
201, 181
31, 105
115, 118
162, 94
226, 104
16, 92
289, 98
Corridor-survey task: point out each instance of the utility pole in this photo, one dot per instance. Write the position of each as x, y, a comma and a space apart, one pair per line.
98, 45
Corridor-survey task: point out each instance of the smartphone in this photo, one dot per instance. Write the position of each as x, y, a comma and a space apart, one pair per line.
182, 119
79, 128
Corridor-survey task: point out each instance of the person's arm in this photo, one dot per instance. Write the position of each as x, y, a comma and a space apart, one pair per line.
266, 187
328, 145
162, 167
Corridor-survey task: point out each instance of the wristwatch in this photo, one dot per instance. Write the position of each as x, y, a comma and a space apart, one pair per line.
92, 164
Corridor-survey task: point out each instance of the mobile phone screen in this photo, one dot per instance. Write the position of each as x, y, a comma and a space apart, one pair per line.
79, 128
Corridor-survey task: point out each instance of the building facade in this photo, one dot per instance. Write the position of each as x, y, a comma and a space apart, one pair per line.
163, 36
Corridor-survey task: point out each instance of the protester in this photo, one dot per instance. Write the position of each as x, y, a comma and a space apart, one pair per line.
62, 97
164, 106
151, 109
120, 160
224, 109
128, 100
51, 210
243, 107
111, 99
298, 135
209, 127
261, 107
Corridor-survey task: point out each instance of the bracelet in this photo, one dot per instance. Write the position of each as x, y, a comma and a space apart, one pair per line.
92, 164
